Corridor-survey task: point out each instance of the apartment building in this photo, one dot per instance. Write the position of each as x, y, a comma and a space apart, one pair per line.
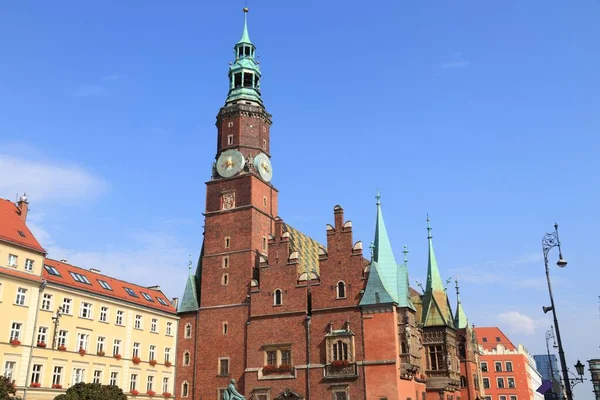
67, 324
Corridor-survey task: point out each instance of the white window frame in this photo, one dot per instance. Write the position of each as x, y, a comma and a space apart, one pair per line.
187, 334
165, 385
57, 375
83, 340
169, 329
116, 347
514, 382
9, 369
100, 344
36, 373
12, 261
119, 318
47, 302
114, 379
150, 383
280, 301
85, 310
21, 297
15, 330
185, 392
29, 263
133, 382
67, 307
167, 354
62, 338
152, 352
97, 377
187, 361
136, 350
78, 375
103, 314
229, 140
154, 325
42, 335
138, 322
337, 290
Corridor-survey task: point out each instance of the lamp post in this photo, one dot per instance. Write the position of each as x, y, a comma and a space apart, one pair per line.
579, 368
550, 335
55, 320
549, 241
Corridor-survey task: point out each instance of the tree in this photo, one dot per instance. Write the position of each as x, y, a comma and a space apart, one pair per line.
92, 391
7, 389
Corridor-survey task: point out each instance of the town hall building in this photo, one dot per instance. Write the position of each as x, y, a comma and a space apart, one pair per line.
354, 328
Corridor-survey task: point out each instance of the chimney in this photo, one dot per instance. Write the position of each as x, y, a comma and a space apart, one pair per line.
175, 302
23, 205
94, 270
63, 261
156, 287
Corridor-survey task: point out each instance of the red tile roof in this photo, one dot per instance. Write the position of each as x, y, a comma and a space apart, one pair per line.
20, 274
118, 286
10, 225
488, 338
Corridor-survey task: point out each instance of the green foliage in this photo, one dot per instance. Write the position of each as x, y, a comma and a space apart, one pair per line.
7, 389
92, 391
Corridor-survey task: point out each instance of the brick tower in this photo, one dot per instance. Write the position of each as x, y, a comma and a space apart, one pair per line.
240, 205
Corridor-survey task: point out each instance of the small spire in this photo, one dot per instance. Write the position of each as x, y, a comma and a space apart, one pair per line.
405, 252
372, 247
429, 228
245, 37
378, 198
457, 289
190, 264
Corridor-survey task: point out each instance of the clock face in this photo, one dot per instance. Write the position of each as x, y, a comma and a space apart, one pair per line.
230, 162
263, 165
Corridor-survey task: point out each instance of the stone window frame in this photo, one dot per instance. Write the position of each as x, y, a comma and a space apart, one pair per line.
278, 348
185, 393
514, 382
225, 327
230, 140
340, 389
187, 331
498, 380
277, 302
337, 290
225, 279
225, 262
227, 241
261, 394
220, 366
344, 338
189, 358
481, 364
484, 379
506, 366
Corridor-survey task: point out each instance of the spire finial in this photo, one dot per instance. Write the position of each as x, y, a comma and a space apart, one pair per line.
405, 251
372, 247
190, 264
429, 228
457, 289
378, 198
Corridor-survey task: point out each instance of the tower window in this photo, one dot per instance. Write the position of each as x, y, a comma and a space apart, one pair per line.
227, 241
237, 80
230, 124
265, 201
264, 243
247, 51
341, 290
248, 79
277, 297
240, 52
229, 139
225, 328
225, 279
225, 262
264, 144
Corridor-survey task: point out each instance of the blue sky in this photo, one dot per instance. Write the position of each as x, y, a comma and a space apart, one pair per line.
482, 114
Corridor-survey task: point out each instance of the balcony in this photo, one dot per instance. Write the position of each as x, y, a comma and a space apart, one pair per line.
341, 371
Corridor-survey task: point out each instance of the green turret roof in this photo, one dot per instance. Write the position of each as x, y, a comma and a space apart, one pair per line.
387, 280
189, 301
436, 306
244, 72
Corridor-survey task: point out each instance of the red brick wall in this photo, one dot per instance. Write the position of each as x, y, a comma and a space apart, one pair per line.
185, 373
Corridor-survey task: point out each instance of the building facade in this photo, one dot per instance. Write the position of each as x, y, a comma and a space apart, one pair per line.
508, 371
282, 316
67, 324
595, 373
547, 366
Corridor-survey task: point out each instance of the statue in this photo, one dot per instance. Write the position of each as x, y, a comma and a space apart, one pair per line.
231, 393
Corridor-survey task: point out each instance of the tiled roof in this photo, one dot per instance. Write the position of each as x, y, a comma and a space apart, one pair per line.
307, 248
488, 338
20, 274
11, 224
119, 288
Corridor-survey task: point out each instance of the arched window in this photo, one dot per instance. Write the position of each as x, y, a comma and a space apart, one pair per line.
277, 297
463, 381
186, 358
403, 346
188, 331
341, 290
185, 388
340, 351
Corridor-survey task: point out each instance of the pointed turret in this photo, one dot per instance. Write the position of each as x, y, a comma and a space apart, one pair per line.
403, 284
460, 319
436, 306
189, 301
244, 72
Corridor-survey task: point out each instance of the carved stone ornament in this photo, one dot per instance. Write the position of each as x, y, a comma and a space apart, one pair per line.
228, 201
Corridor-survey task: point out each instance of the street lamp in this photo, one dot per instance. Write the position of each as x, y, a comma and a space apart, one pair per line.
55, 320
579, 368
549, 241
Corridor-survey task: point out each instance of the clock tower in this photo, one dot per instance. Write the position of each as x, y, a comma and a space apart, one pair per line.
241, 204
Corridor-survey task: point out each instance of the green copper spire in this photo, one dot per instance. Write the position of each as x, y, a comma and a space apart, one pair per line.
383, 253
460, 319
244, 72
189, 301
436, 306
434, 280
245, 37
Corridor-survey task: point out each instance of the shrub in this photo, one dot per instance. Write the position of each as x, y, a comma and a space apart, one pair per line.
134, 392
35, 384
82, 352
15, 342
168, 364
136, 360
56, 386
152, 362
151, 393
41, 344
166, 395
117, 356
62, 348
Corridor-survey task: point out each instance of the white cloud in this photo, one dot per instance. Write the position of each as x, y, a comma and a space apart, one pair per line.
47, 180
517, 323
146, 259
